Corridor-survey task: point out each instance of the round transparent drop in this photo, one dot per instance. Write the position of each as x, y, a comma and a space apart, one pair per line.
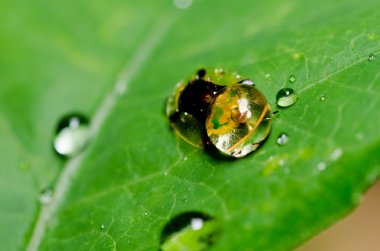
189, 104
46, 195
292, 79
72, 135
239, 120
282, 139
286, 97
191, 231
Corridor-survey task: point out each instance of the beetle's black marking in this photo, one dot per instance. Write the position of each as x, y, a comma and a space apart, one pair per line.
196, 98
201, 73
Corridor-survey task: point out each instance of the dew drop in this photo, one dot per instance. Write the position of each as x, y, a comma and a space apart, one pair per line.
321, 166
371, 57
102, 227
182, 4
267, 76
292, 79
322, 97
286, 97
193, 231
282, 139
336, 154
46, 195
360, 136
72, 135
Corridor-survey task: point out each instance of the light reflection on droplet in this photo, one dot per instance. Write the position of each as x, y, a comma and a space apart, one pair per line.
72, 135
321, 166
196, 223
336, 154
282, 139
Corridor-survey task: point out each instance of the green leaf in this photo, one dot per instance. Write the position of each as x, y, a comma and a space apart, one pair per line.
117, 62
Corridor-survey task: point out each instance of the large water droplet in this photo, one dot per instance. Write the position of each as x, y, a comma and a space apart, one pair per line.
282, 139
72, 135
192, 231
46, 195
371, 57
292, 79
222, 110
286, 97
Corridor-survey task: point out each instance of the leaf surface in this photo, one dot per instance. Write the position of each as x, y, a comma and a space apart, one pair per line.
117, 62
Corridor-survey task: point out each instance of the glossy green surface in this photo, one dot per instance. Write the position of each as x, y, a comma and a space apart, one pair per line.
56, 58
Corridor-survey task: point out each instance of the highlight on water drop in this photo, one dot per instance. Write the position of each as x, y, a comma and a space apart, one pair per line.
72, 135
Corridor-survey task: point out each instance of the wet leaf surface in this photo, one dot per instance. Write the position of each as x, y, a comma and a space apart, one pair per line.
117, 62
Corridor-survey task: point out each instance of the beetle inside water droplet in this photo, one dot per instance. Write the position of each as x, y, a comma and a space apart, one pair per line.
221, 109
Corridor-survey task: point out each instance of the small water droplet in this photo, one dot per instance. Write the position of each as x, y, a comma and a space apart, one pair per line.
371, 57
182, 4
321, 166
292, 78
336, 154
282, 139
286, 97
46, 195
267, 76
322, 97
185, 158
102, 227
146, 213
360, 136
190, 231
281, 162
72, 135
